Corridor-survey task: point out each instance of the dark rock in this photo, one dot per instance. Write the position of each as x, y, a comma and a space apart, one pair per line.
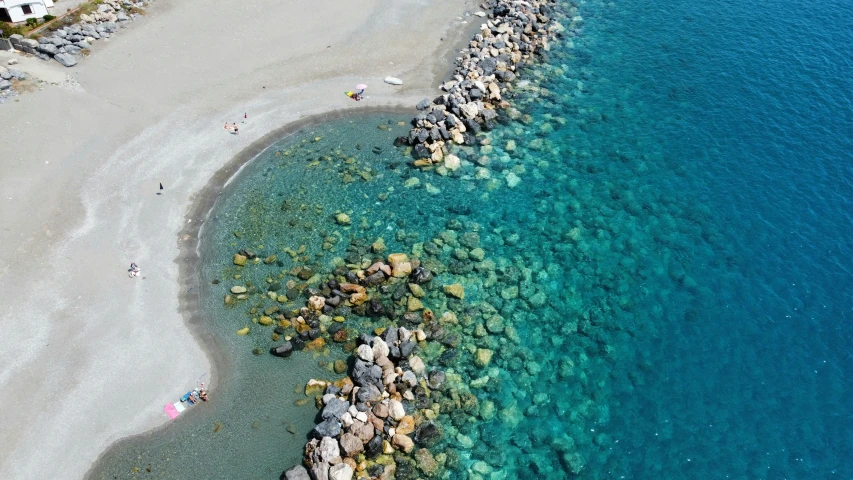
374, 446
333, 301
475, 94
370, 393
420, 275
421, 151
284, 350
422, 135
373, 280
427, 434
449, 357
489, 65
298, 343
364, 373
406, 348
423, 104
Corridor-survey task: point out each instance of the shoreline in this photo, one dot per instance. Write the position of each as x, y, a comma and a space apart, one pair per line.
189, 259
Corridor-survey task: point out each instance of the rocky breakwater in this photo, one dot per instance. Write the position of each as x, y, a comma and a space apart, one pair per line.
513, 33
69, 43
375, 422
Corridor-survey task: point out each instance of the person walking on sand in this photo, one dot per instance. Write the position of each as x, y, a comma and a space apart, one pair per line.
134, 269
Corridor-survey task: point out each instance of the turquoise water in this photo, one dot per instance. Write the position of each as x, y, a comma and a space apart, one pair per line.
665, 288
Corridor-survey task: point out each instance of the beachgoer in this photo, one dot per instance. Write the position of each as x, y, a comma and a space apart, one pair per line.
134, 269
236, 132
202, 394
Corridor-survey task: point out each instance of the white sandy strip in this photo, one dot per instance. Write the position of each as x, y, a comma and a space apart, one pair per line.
88, 355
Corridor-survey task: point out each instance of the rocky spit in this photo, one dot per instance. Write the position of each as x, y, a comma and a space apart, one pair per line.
378, 418
513, 33
68, 44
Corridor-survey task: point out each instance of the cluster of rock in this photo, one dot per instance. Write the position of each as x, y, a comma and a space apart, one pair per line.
67, 44
336, 297
514, 31
376, 411
7, 76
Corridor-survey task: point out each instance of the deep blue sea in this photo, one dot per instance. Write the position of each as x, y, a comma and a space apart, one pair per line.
667, 221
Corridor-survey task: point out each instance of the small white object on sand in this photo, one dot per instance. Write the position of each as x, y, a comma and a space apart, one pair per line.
393, 80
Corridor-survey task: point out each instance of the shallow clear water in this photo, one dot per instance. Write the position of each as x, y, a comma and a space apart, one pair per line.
666, 288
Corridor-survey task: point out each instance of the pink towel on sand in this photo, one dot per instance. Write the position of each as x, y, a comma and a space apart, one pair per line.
171, 411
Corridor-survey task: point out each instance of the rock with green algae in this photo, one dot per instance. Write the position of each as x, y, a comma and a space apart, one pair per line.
240, 260
455, 290
343, 219
426, 462
482, 357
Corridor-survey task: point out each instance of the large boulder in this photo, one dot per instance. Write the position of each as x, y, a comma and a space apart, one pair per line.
330, 427
335, 408
66, 59
365, 373
48, 48
29, 45
369, 393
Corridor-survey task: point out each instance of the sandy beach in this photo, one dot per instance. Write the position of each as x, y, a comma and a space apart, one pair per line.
88, 354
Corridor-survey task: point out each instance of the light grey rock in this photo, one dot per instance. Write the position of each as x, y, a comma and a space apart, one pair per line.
5, 84
328, 451
122, 17
320, 471
66, 60
365, 353
469, 110
16, 39
84, 45
109, 27
5, 74
72, 49
297, 473
341, 471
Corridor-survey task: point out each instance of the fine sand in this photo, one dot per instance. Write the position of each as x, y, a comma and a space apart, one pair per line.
87, 354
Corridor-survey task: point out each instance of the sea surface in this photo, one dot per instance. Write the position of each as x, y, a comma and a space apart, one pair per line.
666, 218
